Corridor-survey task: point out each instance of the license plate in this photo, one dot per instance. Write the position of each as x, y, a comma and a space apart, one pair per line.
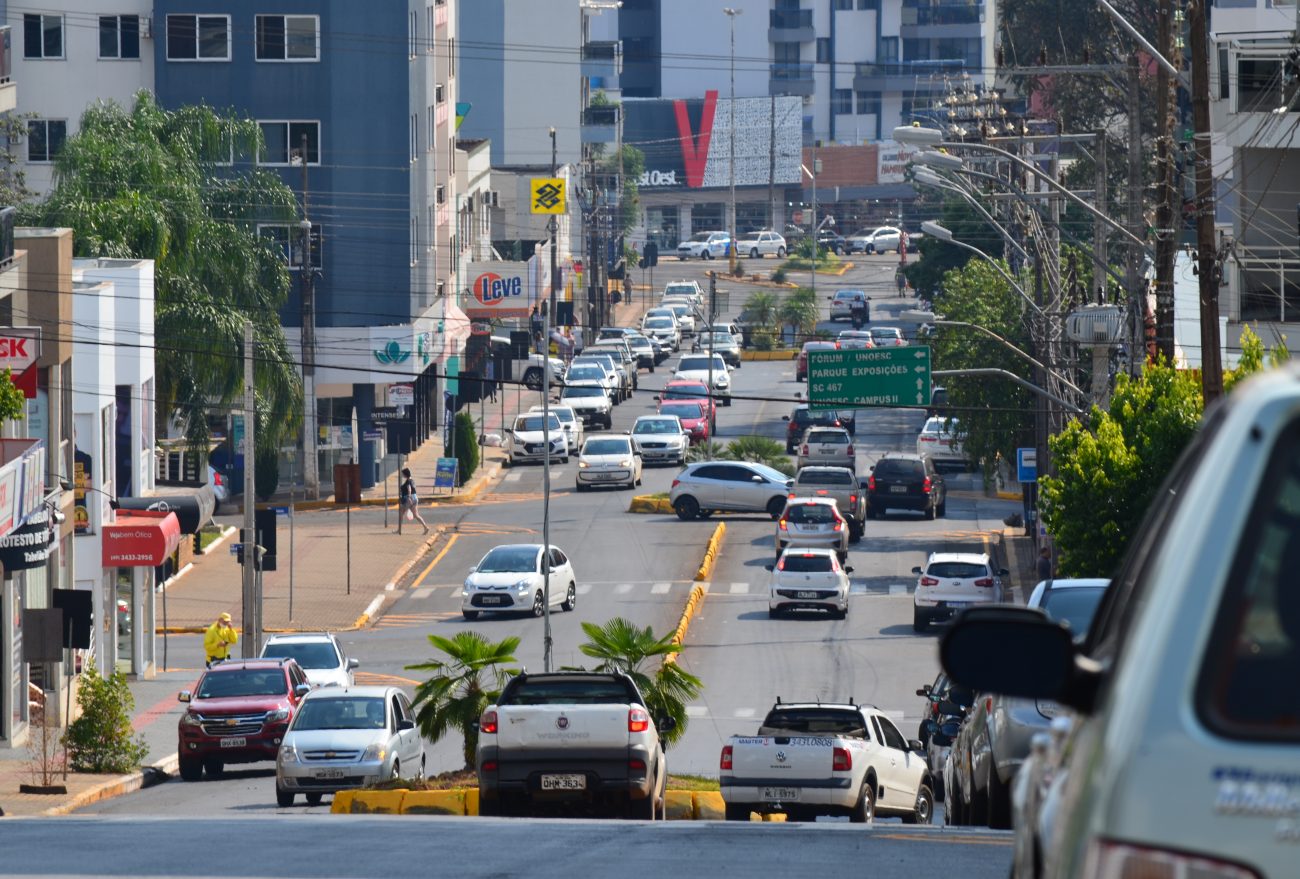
828, 450
806, 595
564, 782
234, 742
604, 475
329, 773
780, 794
898, 489
491, 599
959, 605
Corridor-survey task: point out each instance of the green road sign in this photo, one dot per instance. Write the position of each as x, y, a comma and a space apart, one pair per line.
869, 377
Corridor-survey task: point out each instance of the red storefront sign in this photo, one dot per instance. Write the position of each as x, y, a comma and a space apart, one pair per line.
140, 539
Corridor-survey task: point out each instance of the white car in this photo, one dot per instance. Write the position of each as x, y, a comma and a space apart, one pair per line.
887, 337
685, 314
831, 446
608, 460
689, 290
664, 328
590, 402
526, 439
318, 653
809, 579
757, 245
661, 438
570, 421
509, 578
850, 339
342, 739
597, 372
884, 239
812, 522
951, 582
938, 439
695, 367
704, 245
842, 304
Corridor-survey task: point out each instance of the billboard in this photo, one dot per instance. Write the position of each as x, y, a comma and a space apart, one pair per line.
499, 289
687, 141
893, 158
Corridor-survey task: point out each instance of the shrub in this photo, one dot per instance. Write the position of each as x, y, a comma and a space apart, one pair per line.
739, 270
466, 446
763, 339
100, 739
778, 276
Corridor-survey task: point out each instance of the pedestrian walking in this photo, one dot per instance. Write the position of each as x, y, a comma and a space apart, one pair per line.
1045, 563
218, 640
490, 370
409, 501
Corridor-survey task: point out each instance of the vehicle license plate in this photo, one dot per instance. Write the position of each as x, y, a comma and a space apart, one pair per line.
806, 595
779, 794
604, 475
329, 773
564, 782
959, 605
898, 489
491, 599
234, 742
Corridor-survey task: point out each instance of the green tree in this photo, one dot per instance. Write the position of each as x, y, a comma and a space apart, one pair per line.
928, 272
1254, 358
799, 312
759, 450
623, 647
149, 183
760, 309
100, 739
462, 683
467, 451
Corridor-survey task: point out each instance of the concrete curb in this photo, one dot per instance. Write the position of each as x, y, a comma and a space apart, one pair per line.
371, 609
711, 553
685, 805
146, 776
837, 272
645, 503
769, 355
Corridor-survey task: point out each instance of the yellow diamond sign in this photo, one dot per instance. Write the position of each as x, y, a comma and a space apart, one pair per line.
548, 195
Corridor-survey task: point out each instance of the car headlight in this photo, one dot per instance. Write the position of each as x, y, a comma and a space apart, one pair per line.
627, 462
279, 715
288, 754
189, 718
523, 585
375, 752
583, 465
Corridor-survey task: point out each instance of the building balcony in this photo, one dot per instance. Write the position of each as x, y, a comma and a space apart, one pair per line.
600, 123
791, 79
790, 26
8, 88
602, 60
952, 20
907, 76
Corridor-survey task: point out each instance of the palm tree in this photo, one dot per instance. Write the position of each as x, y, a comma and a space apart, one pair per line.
462, 686
800, 312
622, 647
760, 309
759, 450
706, 451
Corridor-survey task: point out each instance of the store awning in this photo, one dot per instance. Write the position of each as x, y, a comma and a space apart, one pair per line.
193, 507
140, 539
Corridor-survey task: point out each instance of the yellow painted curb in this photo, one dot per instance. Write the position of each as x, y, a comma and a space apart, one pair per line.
711, 552
709, 806
769, 355
471, 801
777, 817
649, 504
680, 805
1011, 495
342, 802
378, 802
434, 802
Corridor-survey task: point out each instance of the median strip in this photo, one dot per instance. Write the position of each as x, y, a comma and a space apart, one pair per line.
711, 553
650, 503
683, 805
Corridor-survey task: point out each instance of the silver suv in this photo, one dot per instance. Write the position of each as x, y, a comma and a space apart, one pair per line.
1180, 754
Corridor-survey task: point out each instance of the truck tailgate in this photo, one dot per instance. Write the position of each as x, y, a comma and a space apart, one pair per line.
771, 759
560, 726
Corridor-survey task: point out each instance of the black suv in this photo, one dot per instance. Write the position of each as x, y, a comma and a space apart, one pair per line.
906, 481
803, 418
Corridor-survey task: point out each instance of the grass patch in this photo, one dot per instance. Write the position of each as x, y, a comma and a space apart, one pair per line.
828, 263
208, 536
692, 782
657, 496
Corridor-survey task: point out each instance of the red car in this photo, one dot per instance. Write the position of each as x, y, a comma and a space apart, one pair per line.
801, 365
238, 713
684, 389
691, 415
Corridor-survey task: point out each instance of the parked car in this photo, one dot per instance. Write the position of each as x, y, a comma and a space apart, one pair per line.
705, 487
529, 435
756, 245
661, 438
901, 481
801, 418
829, 239
838, 484
723, 343
831, 446
238, 713
812, 522
940, 440
318, 654
950, 582
343, 739
510, 578
851, 339
608, 460
590, 402
887, 337
842, 304
940, 721
704, 245
884, 239
702, 367
692, 415
801, 363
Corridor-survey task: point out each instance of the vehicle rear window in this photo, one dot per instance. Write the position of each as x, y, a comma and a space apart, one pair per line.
900, 468
807, 564
826, 436
810, 514
957, 570
309, 654
562, 692
825, 477
814, 721
1074, 606
1247, 682
245, 682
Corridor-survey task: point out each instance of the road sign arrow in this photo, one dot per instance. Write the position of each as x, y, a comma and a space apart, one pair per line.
920, 353
919, 383
920, 369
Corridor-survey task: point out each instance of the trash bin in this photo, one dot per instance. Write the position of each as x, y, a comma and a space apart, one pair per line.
347, 483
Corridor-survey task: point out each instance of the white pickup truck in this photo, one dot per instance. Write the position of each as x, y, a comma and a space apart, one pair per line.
579, 741
812, 759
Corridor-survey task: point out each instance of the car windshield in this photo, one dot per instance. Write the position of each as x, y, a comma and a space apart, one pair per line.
341, 713
686, 392
1074, 606
573, 391
700, 362
684, 411
957, 570
680, 310
810, 514
586, 373
825, 477
535, 422
718, 339
681, 289
656, 425
827, 436
659, 323
244, 682
509, 560
807, 564
309, 654
700, 236
607, 447
818, 346
849, 294
899, 468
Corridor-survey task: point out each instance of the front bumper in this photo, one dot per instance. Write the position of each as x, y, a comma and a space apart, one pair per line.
667, 453
256, 747
591, 476
537, 453
813, 599
328, 777
592, 416
497, 599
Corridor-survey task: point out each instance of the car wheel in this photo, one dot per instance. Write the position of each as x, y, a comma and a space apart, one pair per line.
283, 798
775, 507
564, 460
213, 767
923, 811
507, 462
789, 449
773, 613
999, 800
570, 598
920, 620
865, 809
753, 254
313, 799
978, 808
578, 486
686, 507
780, 253
855, 531
469, 614
641, 810
397, 770
539, 605
533, 379
191, 769
420, 775
943, 507
609, 421
736, 812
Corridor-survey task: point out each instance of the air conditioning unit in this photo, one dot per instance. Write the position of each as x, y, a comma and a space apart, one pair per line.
146, 27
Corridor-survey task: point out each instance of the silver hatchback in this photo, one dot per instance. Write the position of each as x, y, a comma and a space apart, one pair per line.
831, 446
812, 522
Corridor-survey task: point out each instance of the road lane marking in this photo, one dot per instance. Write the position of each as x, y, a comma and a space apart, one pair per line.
422, 593
583, 588
744, 712
513, 477
947, 840
661, 588
697, 711
450, 540
739, 588
623, 588
704, 585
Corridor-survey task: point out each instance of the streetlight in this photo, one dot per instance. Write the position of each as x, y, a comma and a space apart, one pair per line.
929, 178
731, 13
934, 230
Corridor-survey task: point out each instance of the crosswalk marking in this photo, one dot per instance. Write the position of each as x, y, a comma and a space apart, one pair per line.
704, 585
513, 477
584, 588
422, 592
897, 589
622, 588
697, 710
407, 620
739, 588
661, 588
744, 712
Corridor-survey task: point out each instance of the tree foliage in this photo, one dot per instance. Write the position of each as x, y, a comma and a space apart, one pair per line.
467, 450
464, 681
149, 183
937, 258
799, 312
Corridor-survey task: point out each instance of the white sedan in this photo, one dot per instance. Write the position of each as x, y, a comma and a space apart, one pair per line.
760, 244
510, 578
938, 439
661, 438
809, 579
609, 460
696, 367
526, 440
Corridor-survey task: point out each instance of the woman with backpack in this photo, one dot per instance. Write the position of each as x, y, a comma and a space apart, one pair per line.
409, 501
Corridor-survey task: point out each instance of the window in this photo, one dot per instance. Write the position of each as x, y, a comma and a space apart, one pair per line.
288, 38
415, 241
887, 50
284, 142
842, 101
893, 738
415, 136
218, 149
785, 53
451, 55
198, 38
823, 50
868, 103
1225, 68
1259, 84
869, 4
432, 227
439, 94
45, 139
430, 30
42, 36
288, 240
843, 4
413, 33
119, 36
440, 194
433, 128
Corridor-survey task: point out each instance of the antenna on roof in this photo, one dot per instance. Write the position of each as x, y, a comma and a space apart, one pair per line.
778, 700
851, 702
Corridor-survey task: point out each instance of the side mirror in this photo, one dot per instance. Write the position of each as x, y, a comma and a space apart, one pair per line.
1003, 572
404, 724
1018, 651
789, 483
924, 691
916, 745
302, 690
916, 571
184, 696
353, 663
656, 399
848, 569
785, 417
756, 478
473, 568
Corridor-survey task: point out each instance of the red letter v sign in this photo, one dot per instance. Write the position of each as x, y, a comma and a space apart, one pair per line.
695, 151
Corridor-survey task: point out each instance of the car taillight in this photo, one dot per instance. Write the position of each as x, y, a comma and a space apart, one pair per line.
926, 486
217, 478
929, 581
850, 450
841, 760
928, 439
838, 526
490, 766
985, 582
780, 564
636, 765
871, 483
853, 498
637, 720
821, 492
725, 763
1106, 858
782, 524
676, 482
805, 449
488, 722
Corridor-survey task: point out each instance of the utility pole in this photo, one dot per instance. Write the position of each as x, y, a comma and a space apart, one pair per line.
1166, 223
1136, 286
546, 434
816, 227
1206, 255
250, 644
1100, 248
731, 13
311, 464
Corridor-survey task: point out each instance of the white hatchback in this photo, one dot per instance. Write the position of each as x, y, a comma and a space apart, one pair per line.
809, 579
951, 582
571, 423
938, 439
608, 460
700, 367
704, 245
510, 578
757, 245
318, 653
